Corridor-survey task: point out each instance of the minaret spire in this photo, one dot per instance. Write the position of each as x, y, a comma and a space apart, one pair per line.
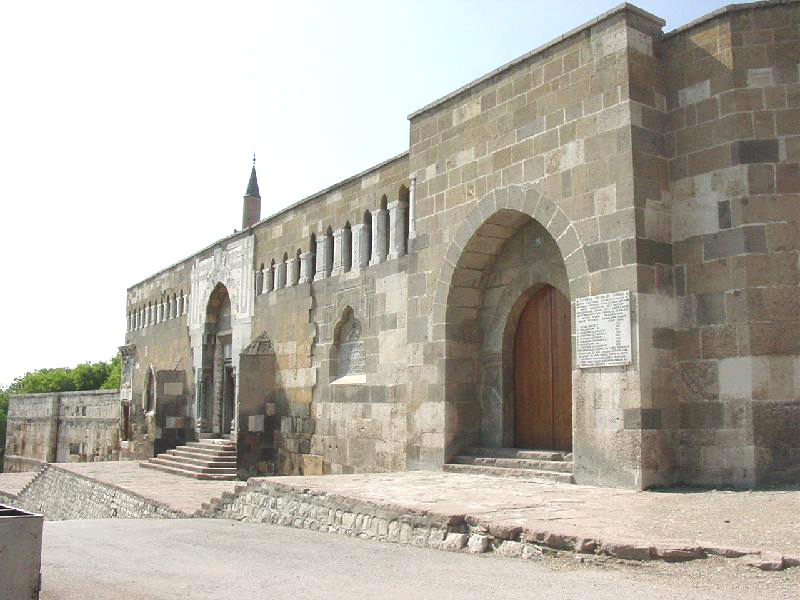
251, 211
252, 186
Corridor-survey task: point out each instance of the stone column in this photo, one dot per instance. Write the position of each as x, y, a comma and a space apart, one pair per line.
159, 311
275, 268
269, 279
397, 229
359, 251
179, 307
378, 237
321, 254
138, 319
292, 271
171, 303
186, 303
338, 252
305, 268
280, 275
412, 201
265, 280
258, 281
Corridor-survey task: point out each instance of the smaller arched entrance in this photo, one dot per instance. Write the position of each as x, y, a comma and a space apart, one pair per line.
542, 365
219, 389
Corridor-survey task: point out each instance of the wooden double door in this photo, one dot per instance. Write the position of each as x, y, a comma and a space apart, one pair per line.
543, 373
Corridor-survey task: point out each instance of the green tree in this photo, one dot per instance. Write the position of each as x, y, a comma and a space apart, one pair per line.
3, 413
114, 373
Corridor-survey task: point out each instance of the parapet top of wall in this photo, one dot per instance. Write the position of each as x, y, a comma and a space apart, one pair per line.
726, 10
43, 395
273, 219
491, 75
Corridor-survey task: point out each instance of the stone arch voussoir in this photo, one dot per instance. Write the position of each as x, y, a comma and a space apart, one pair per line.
526, 200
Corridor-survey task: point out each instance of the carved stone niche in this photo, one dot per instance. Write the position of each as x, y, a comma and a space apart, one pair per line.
348, 356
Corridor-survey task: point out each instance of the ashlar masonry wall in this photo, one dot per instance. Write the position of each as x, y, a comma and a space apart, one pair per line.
615, 158
61, 427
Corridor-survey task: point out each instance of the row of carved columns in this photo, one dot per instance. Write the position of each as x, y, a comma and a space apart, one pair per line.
168, 308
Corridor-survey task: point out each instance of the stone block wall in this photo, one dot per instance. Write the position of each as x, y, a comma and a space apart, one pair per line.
732, 133
662, 165
62, 427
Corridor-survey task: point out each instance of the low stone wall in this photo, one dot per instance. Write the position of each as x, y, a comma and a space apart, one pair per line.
263, 500
60, 495
21, 464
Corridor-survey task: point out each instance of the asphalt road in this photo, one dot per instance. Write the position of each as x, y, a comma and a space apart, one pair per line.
203, 558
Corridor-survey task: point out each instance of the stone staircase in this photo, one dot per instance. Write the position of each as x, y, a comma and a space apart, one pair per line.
551, 465
207, 459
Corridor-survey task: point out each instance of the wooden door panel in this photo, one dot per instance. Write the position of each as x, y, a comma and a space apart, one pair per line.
543, 373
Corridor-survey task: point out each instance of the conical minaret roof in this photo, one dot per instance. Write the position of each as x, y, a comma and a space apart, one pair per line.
252, 186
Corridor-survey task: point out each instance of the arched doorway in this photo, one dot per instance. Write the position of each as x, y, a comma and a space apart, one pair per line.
543, 373
219, 387
512, 245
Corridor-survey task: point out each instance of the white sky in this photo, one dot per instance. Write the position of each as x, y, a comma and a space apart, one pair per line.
126, 130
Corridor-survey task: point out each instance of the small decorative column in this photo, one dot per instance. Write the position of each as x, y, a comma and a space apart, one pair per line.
266, 280
137, 318
321, 255
305, 268
359, 250
159, 312
186, 304
269, 280
171, 307
276, 276
280, 275
378, 237
397, 229
258, 281
338, 253
179, 307
412, 201
292, 271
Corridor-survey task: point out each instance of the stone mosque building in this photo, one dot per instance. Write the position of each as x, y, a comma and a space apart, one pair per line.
584, 267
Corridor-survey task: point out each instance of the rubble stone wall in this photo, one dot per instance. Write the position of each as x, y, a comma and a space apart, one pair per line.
61, 495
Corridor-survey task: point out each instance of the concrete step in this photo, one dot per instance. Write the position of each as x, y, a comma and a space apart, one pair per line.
202, 454
168, 461
483, 451
185, 473
532, 474
177, 456
560, 466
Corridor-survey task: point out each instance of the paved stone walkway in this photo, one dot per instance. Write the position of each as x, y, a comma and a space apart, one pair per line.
13, 483
179, 493
760, 520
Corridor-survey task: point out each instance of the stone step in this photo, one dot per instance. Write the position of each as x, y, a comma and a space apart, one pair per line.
204, 454
217, 446
185, 473
560, 466
531, 474
170, 462
177, 456
482, 451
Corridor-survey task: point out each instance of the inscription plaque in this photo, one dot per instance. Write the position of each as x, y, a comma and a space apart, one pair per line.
603, 327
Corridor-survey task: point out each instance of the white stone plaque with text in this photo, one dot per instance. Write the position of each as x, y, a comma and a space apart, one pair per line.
603, 327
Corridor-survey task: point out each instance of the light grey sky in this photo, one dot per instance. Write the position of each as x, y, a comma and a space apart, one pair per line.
127, 129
